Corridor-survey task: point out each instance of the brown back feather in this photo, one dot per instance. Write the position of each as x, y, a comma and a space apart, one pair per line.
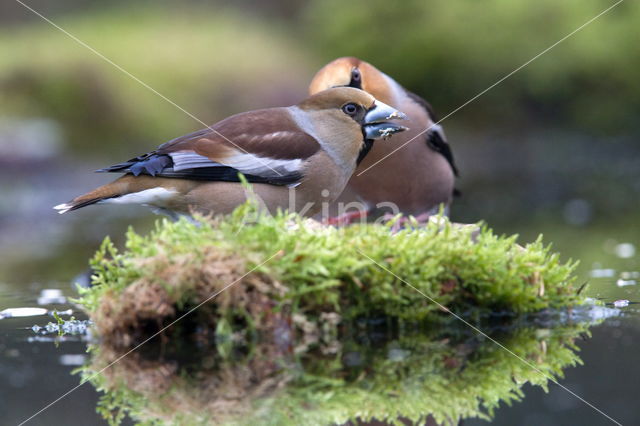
268, 133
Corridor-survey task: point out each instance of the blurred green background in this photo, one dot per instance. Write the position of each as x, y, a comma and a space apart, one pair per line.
551, 149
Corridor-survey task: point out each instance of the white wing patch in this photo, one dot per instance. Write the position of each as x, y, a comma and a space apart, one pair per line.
244, 162
154, 196
262, 166
266, 136
184, 160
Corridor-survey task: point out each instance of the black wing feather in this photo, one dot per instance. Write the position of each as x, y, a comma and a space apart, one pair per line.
434, 137
161, 165
138, 165
438, 144
227, 174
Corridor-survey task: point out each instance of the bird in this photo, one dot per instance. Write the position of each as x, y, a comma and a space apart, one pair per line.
416, 170
296, 158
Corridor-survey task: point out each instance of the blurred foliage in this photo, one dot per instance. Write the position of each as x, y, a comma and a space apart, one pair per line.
562, 128
451, 51
210, 62
216, 60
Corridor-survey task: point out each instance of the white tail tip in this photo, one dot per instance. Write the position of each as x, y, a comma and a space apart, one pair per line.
63, 208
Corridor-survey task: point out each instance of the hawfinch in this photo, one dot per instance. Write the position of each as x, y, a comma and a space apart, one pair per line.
420, 175
295, 157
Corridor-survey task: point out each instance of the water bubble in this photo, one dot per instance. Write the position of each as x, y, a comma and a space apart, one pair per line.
602, 273
72, 359
625, 250
630, 275
72, 327
597, 313
49, 296
22, 312
621, 303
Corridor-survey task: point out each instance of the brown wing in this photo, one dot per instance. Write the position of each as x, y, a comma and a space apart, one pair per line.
268, 133
265, 145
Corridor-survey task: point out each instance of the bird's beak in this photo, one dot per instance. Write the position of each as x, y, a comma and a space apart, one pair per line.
377, 123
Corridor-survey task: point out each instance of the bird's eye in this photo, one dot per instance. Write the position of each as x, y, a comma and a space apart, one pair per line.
350, 109
355, 75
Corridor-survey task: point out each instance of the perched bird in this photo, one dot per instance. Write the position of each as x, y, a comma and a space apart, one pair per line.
420, 175
310, 149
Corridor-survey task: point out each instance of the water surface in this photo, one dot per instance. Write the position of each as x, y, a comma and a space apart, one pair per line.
36, 367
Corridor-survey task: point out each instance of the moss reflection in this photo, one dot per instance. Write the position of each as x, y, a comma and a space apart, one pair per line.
370, 369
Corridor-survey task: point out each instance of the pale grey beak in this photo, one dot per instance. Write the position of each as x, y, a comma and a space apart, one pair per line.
377, 123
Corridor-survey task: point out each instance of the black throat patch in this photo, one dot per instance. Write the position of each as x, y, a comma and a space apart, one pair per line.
366, 147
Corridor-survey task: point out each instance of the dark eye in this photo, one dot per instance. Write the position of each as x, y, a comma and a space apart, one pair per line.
355, 75
350, 109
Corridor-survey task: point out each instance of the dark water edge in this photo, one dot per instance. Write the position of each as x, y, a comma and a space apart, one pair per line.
35, 370
608, 379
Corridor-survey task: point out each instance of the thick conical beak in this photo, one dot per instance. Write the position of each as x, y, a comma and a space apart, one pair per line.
377, 123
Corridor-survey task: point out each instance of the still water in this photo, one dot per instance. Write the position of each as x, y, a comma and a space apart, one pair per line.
445, 371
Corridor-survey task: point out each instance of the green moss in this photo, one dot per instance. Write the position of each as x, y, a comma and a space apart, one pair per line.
354, 271
287, 302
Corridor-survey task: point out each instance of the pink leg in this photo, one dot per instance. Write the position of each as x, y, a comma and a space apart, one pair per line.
423, 218
347, 218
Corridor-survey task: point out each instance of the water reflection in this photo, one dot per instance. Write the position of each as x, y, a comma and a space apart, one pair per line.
374, 369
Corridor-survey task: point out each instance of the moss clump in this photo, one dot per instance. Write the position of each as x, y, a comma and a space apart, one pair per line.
304, 268
280, 335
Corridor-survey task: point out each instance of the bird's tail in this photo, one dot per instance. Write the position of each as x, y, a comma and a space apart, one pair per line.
115, 189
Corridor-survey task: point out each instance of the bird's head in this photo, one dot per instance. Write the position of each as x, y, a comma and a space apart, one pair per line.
356, 107
348, 120
353, 72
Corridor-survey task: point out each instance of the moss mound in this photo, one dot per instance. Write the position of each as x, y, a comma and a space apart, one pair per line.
278, 332
276, 266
